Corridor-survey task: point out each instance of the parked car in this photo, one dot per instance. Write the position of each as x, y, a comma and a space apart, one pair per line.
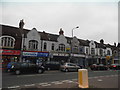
114, 66
98, 67
52, 65
23, 67
69, 67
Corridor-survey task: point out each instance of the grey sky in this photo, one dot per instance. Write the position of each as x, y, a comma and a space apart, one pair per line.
97, 20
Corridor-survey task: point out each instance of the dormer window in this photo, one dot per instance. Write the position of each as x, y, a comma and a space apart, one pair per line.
7, 42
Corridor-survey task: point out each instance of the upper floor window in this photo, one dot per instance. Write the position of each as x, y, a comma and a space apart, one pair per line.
52, 46
33, 44
86, 50
45, 46
92, 51
61, 47
108, 52
7, 42
101, 52
75, 49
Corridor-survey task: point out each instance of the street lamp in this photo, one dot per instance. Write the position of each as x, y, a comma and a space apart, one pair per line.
71, 43
73, 29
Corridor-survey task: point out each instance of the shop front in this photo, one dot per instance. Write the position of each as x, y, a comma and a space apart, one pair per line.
34, 56
9, 56
59, 57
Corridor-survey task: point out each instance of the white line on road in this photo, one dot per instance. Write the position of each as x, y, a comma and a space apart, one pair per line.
44, 84
29, 85
14, 87
99, 80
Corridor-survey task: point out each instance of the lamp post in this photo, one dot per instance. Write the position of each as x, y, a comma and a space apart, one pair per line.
73, 29
71, 43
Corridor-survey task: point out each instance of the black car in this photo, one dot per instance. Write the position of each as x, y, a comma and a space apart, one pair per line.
23, 67
52, 65
98, 67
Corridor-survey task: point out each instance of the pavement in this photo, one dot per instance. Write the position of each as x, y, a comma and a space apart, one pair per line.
108, 81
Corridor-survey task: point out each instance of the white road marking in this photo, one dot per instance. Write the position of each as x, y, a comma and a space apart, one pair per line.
14, 87
57, 82
29, 85
99, 80
70, 82
44, 84
65, 80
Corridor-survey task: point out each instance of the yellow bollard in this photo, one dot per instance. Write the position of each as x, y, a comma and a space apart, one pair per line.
83, 78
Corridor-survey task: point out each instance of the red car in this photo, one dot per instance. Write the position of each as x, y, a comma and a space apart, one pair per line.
98, 67
114, 66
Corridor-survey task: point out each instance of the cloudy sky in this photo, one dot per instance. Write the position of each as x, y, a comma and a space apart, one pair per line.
96, 20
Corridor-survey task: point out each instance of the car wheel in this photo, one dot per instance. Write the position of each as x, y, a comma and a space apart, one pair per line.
17, 72
40, 71
66, 70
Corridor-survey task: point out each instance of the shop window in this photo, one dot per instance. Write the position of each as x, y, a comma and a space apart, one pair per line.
52, 46
108, 52
33, 44
7, 41
45, 45
92, 51
61, 47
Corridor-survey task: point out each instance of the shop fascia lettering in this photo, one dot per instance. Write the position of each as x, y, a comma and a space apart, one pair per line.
35, 54
29, 53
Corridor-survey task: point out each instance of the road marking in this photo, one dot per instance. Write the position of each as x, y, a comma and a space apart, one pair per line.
44, 84
29, 85
70, 82
99, 80
65, 80
14, 87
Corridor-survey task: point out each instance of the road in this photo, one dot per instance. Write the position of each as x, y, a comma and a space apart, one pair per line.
10, 80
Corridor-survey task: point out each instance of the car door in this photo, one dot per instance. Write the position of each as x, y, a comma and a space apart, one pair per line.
32, 67
71, 67
24, 67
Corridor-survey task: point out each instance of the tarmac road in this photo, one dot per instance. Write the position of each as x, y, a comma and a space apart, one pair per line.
49, 78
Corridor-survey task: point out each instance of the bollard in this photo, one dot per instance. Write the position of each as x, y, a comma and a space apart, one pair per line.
83, 78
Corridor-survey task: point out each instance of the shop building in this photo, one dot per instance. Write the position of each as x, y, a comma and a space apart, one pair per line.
10, 44
50, 47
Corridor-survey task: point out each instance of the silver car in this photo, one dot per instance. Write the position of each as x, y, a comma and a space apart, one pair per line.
69, 67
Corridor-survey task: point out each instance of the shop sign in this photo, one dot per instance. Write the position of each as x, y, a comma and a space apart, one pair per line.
34, 54
10, 52
78, 55
41, 54
60, 54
